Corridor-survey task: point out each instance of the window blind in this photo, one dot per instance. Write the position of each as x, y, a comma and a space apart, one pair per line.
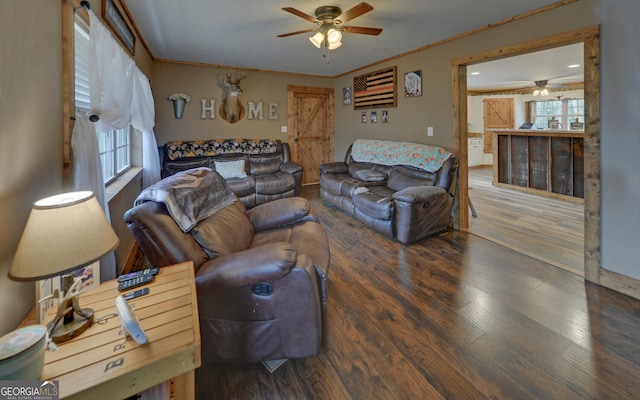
81, 61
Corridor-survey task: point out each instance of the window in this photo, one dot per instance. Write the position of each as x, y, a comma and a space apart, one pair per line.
546, 110
565, 111
114, 146
575, 110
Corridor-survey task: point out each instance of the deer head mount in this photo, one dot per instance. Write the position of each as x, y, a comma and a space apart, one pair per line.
231, 109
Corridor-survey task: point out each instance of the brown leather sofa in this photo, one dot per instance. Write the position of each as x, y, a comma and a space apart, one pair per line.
402, 202
261, 275
267, 170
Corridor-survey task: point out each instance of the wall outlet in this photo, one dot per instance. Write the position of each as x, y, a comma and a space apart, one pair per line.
283, 129
430, 131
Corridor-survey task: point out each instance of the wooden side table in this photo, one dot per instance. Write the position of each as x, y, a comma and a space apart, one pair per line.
100, 364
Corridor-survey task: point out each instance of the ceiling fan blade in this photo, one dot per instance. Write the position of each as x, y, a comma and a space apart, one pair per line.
354, 12
362, 30
296, 32
300, 14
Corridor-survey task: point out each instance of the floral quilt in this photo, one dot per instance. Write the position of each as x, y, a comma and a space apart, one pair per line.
202, 148
388, 152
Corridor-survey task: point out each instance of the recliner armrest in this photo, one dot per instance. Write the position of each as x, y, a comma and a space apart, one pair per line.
279, 212
249, 267
419, 194
337, 167
290, 167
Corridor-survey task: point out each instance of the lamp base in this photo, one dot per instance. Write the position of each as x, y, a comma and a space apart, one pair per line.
60, 333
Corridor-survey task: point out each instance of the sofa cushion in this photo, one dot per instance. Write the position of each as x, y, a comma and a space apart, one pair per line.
173, 167
400, 179
227, 231
376, 204
369, 175
355, 166
231, 169
274, 184
242, 186
265, 164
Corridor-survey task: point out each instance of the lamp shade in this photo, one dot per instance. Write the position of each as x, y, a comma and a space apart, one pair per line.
317, 39
334, 36
64, 232
333, 46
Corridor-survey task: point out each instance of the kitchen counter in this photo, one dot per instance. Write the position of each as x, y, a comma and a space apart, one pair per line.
542, 161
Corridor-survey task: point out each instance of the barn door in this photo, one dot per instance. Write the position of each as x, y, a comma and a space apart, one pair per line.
310, 129
498, 114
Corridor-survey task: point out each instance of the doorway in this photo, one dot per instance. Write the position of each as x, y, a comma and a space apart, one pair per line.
545, 225
311, 129
590, 39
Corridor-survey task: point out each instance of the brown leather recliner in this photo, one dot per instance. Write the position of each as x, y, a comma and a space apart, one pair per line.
260, 276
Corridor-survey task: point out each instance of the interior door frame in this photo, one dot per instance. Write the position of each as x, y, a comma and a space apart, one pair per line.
590, 37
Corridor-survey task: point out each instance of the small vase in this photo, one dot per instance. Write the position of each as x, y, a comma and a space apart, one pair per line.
178, 108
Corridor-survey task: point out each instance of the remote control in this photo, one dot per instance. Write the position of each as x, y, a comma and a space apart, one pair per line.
133, 275
136, 294
135, 282
129, 323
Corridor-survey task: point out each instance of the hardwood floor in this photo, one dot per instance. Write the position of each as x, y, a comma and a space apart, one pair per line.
548, 229
453, 316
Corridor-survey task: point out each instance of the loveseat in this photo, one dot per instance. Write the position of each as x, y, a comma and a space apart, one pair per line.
402, 190
261, 275
256, 170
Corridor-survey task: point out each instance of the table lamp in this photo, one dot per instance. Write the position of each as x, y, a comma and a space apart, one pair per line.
63, 233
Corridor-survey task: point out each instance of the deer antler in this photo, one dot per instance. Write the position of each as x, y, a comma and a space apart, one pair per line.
236, 78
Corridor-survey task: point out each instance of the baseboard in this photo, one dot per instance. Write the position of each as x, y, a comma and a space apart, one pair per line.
620, 283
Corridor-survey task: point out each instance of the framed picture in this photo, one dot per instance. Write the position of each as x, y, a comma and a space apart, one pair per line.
374, 117
363, 117
413, 84
119, 25
385, 116
347, 96
44, 288
375, 90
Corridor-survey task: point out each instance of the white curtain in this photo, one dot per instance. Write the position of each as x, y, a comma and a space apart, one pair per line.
143, 117
120, 95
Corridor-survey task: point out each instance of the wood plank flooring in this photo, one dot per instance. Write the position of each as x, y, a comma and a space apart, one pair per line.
453, 316
548, 229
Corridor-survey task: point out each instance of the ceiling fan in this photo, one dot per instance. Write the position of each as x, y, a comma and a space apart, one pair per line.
542, 87
329, 20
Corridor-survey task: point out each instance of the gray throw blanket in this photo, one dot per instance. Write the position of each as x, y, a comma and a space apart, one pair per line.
190, 196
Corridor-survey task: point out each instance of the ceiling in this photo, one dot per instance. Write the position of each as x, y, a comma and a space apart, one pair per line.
243, 34
522, 71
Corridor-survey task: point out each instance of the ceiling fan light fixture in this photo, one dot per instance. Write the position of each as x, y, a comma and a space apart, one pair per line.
333, 46
334, 36
541, 88
317, 39
329, 20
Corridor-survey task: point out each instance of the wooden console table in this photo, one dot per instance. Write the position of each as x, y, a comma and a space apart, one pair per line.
546, 162
100, 364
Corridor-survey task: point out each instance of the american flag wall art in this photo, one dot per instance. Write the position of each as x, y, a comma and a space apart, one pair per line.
375, 90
